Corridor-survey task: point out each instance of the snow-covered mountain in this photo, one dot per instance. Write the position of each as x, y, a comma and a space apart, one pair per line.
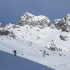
63, 24
33, 20
37, 39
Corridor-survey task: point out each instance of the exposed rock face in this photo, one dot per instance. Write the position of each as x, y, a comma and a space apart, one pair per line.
63, 24
32, 20
4, 32
64, 38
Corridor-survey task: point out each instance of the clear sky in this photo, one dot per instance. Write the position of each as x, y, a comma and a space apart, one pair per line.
11, 10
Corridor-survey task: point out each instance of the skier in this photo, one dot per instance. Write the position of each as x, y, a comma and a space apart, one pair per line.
14, 52
44, 53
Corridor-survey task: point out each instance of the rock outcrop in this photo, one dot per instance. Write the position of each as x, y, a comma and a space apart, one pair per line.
32, 20
63, 24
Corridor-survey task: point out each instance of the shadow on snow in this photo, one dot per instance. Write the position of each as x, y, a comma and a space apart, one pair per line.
11, 62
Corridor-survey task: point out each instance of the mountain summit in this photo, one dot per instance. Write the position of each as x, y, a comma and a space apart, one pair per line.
63, 23
33, 20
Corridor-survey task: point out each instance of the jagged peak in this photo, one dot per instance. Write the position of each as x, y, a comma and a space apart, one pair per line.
63, 24
33, 17
30, 19
27, 15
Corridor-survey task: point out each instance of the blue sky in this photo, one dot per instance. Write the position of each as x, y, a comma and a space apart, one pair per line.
11, 10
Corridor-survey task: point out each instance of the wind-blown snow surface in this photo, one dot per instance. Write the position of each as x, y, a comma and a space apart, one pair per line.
31, 41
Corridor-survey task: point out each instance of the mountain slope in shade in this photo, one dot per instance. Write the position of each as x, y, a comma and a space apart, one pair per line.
10, 62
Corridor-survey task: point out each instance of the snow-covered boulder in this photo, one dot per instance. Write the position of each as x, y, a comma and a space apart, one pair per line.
33, 20
64, 38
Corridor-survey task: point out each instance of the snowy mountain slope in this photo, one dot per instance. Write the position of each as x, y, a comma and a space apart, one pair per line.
42, 37
10, 62
33, 53
32, 42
